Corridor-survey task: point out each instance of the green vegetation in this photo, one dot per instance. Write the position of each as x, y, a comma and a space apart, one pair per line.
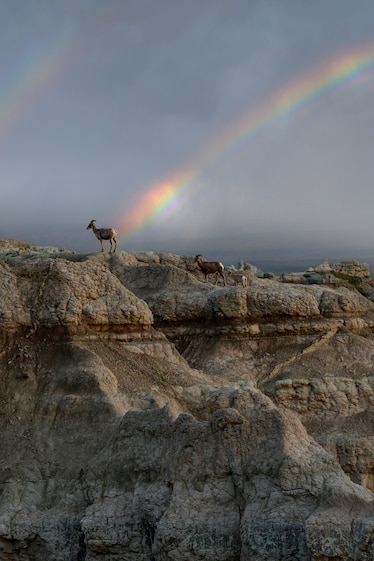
354, 281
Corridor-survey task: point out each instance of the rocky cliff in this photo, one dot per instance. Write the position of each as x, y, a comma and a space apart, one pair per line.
146, 415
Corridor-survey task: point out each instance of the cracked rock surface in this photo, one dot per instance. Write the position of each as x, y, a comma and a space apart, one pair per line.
146, 415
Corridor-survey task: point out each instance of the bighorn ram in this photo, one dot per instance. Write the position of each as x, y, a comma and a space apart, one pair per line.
209, 267
104, 234
238, 278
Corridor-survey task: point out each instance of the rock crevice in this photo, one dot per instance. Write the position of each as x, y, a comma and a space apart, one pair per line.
145, 414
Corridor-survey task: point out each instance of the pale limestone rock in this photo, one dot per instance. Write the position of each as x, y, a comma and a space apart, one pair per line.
353, 268
55, 292
324, 266
240, 482
240, 426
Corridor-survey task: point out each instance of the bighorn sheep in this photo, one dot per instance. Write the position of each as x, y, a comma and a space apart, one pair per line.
209, 267
238, 278
104, 234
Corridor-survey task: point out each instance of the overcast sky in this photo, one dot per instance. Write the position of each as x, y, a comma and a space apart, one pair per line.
102, 100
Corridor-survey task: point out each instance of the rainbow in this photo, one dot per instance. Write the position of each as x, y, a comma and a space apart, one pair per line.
27, 80
17, 96
34, 75
339, 73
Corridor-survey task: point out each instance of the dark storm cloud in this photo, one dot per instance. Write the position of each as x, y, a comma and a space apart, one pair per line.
139, 89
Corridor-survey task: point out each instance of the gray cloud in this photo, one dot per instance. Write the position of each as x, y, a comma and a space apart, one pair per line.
139, 89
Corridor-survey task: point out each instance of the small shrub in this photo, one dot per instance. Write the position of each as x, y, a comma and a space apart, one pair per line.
354, 281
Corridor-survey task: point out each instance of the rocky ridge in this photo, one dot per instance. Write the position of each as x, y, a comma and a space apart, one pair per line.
146, 415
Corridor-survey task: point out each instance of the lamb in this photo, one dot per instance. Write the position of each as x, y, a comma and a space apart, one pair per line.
209, 267
238, 278
104, 234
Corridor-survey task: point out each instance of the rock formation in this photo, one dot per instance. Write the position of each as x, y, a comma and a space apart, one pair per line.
146, 415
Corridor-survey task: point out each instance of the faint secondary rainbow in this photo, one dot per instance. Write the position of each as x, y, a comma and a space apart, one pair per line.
341, 72
33, 76
27, 81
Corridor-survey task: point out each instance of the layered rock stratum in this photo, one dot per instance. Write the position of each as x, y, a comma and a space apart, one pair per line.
146, 415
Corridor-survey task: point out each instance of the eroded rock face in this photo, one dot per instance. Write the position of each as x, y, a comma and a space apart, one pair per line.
45, 292
147, 415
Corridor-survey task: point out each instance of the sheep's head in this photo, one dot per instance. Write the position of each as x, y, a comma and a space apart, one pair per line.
198, 258
91, 225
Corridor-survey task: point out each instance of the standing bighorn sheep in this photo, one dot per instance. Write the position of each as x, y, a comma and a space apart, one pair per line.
210, 267
104, 234
238, 278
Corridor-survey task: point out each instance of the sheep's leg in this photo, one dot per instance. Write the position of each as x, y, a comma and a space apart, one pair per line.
102, 247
